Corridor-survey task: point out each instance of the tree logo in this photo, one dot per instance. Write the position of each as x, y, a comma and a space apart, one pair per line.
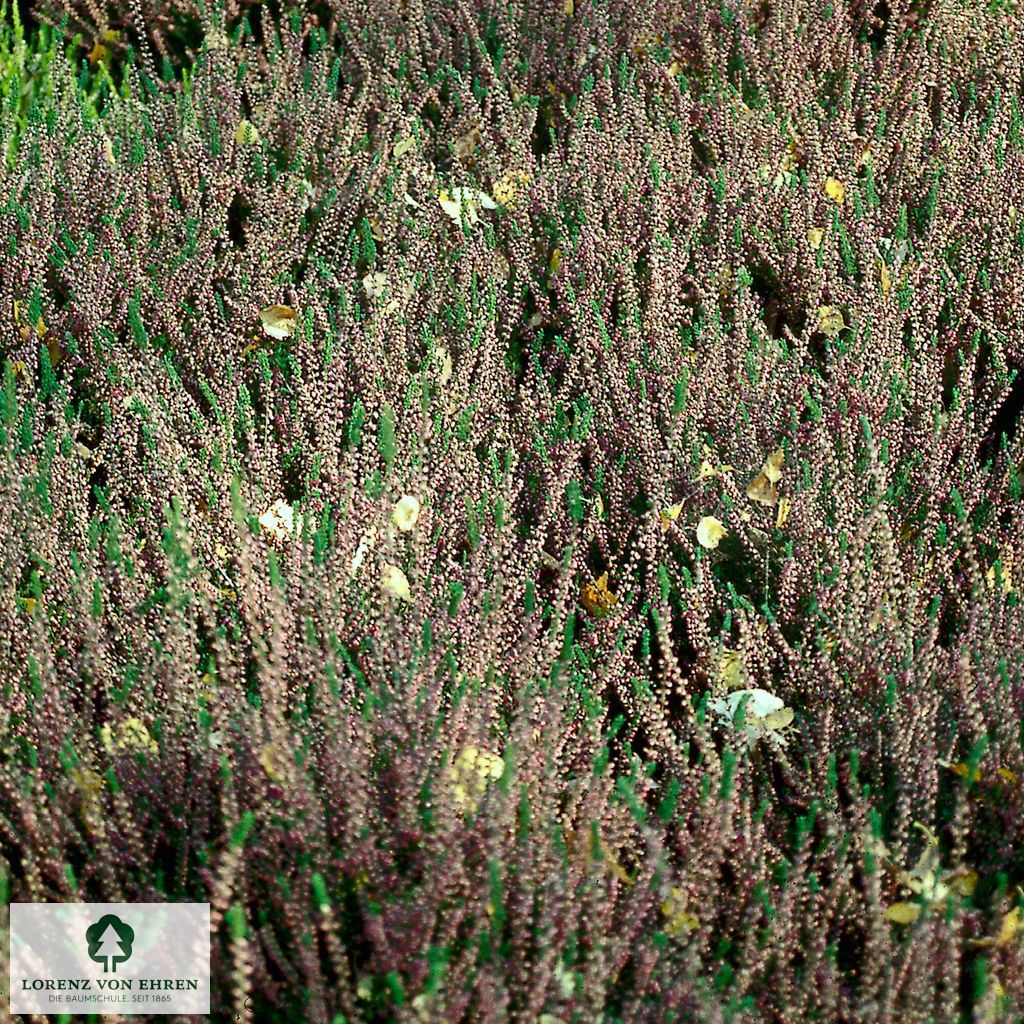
110, 941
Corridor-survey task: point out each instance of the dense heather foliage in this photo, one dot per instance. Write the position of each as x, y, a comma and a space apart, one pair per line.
318, 628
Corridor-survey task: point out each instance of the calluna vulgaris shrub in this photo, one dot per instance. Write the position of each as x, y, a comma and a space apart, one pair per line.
593, 594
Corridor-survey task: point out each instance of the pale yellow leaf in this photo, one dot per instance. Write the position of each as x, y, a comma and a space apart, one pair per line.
278, 321
835, 189
903, 913
670, 515
406, 512
783, 514
830, 321
395, 582
246, 133
709, 532
278, 520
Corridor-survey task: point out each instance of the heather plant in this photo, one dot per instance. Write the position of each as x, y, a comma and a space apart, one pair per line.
518, 506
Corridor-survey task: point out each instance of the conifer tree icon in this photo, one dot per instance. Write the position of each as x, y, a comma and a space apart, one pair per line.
110, 941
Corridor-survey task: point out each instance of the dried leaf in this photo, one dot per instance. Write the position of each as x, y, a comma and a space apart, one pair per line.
903, 913
100, 51
278, 520
783, 514
375, 284
764, 487
708, 471
465, 201
731, 668
669, 515
679, 920
54, 349
1009, 927
884, 277
246, 133
278, 321
131, 734
442, 364
775, 720
815, 237
597, 598
470, 774
507, 188
830, 321
959, 768
466, 144
835, 190
406, 512
765, 715
40, 329
269, 762
549, 561
709, 532
999, 573
964, 882
365, 543
395, 582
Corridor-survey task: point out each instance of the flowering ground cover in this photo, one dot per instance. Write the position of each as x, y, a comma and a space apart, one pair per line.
518, 504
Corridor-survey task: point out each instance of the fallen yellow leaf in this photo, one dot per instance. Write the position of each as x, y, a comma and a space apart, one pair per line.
679, 920
835, 189
246, 133
278, 321
1009, 928
830, 321
405, 512
269, 763
764, 488
669, 515
506, 188
1011, 924
470, 774
709, 532
783, 514
597, 598
395, 582
903, 913
884, 277
731, 667
965, 882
